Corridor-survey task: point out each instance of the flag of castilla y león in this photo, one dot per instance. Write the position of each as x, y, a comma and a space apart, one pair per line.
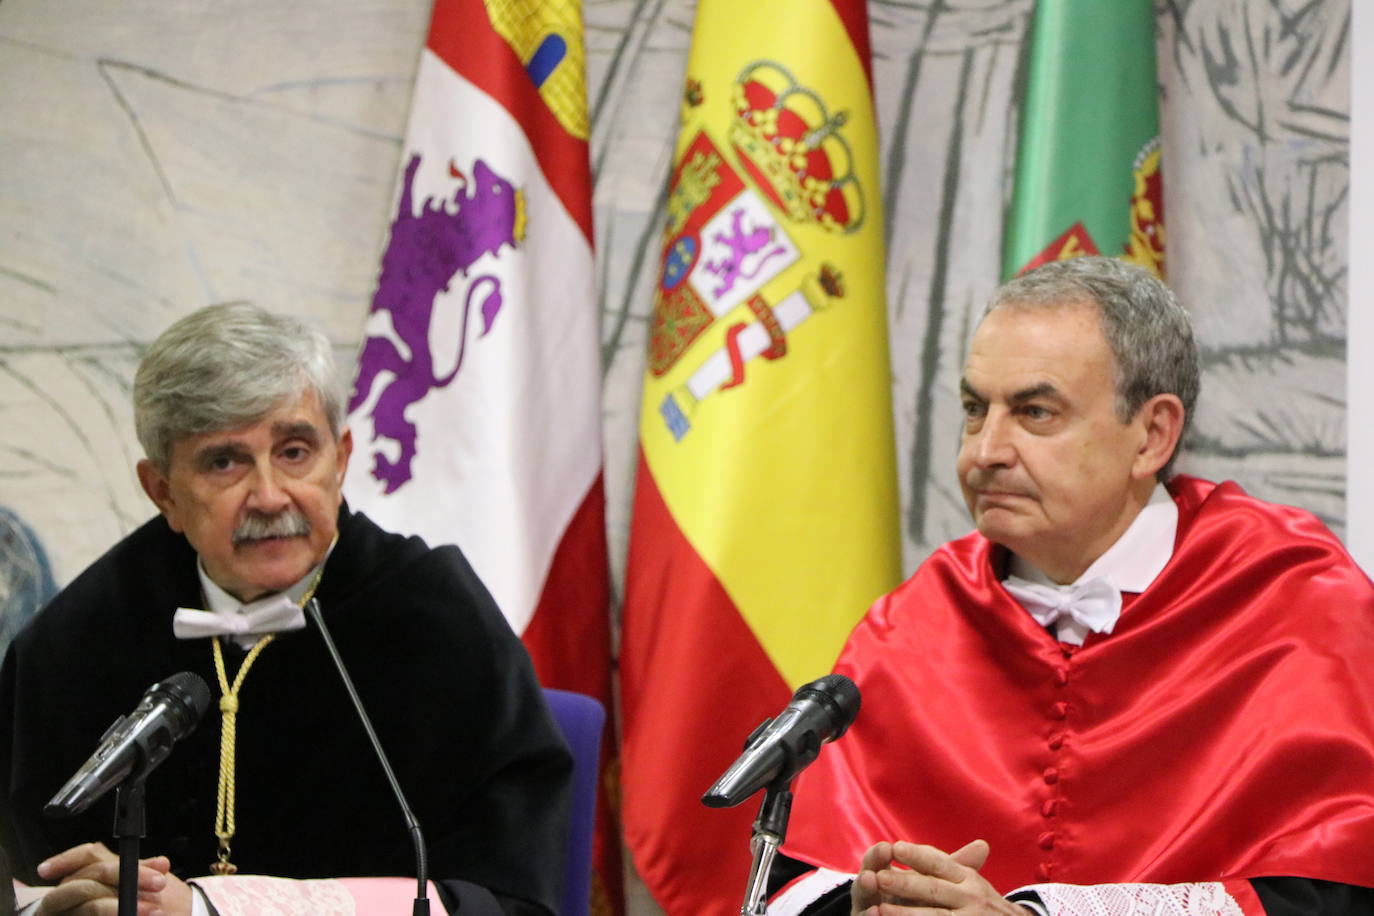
476, 412
765, 516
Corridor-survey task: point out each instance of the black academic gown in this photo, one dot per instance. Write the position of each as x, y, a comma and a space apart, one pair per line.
448, 685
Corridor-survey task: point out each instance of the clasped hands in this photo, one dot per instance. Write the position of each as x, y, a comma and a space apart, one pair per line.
87, 879
906, 879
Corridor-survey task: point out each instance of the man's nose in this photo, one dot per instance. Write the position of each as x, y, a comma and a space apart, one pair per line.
993, 447
265, 492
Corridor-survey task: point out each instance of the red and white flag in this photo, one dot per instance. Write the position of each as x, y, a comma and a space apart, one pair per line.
476, 413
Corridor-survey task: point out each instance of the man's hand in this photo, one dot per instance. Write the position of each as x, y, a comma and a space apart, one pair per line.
932, 882
88, 885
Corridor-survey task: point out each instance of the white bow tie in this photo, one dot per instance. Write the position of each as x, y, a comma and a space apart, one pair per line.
267, 615
1092, 605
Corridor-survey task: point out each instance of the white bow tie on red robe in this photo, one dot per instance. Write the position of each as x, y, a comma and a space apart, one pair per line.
1090, 606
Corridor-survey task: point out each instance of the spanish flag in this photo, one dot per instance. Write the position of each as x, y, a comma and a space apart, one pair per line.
1088, 176
765, 516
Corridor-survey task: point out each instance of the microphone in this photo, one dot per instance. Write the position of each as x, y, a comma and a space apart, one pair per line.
135, 744
420, 906
780, 748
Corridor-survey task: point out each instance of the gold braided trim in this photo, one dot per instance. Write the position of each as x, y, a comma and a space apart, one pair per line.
229, 709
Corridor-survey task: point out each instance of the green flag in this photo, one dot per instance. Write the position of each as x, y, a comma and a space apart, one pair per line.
1087, 163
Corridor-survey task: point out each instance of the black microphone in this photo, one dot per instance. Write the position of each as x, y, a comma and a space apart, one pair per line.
420, 907
781, 748
135, 744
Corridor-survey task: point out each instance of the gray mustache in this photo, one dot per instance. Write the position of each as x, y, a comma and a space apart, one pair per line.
255, 527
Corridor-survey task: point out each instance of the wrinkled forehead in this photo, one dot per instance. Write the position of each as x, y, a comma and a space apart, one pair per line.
1006, 323
297, 415
1017, 347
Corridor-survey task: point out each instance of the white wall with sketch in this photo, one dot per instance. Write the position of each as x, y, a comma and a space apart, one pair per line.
1360, 311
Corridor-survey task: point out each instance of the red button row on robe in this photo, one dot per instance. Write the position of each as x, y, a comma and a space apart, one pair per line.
1050, 806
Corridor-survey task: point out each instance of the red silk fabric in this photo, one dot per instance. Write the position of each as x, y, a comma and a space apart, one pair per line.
1224, 730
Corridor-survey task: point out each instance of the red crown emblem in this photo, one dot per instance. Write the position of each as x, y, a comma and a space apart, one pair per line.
791, 145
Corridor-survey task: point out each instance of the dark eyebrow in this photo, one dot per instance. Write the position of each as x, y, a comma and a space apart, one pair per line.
1043, 390
300, 429
212, 453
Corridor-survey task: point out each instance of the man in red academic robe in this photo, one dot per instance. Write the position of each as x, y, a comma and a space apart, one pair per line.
1116, 695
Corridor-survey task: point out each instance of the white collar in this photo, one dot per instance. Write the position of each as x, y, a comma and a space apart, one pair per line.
1137, 557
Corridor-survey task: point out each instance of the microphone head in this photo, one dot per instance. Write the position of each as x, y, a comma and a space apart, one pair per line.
819, 712
839, 695
190, 697
135, 744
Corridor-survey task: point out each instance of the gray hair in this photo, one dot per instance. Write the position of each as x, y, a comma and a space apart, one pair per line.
1149, 332
226, 366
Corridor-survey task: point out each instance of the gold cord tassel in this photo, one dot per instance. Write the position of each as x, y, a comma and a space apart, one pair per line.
229, 710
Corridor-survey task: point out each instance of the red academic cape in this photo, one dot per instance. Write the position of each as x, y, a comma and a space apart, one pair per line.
1225, 729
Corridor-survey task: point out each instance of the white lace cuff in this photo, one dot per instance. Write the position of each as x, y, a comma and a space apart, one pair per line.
253, 895
1203, 899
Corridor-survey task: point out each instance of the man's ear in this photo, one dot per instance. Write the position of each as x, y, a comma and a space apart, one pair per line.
159, 490
1161, 420
345, 451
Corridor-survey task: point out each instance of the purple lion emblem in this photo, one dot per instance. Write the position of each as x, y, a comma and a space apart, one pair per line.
740, 244
425, 253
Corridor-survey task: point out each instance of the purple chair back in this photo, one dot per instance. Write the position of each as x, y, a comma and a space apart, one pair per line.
581, 719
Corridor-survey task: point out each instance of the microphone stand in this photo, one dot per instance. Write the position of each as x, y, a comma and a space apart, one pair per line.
129, 827
770, 828
420, 906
